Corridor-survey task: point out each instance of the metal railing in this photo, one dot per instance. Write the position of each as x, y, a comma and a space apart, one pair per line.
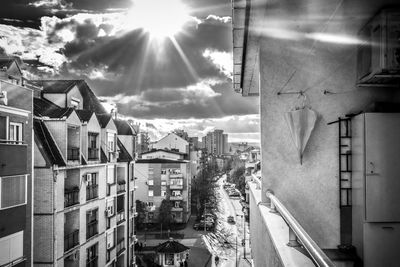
92, 191
120, 246
92, 262
14, 262
121, 187
71, 240
93, 153
71, 197
297, 233
73, 153
91, 229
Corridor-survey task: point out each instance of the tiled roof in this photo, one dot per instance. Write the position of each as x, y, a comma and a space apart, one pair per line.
104, 119
45, 108
171, 246
5, 62
56, 86
47, 143
84, 115
158, 160
123, 155
123, 127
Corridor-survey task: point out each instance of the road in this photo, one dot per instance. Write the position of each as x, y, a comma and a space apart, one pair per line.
226, 240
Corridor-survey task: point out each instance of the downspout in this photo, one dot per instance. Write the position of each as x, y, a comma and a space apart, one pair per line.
128, 208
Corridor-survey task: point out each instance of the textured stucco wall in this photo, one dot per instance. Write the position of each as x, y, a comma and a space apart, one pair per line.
310, 190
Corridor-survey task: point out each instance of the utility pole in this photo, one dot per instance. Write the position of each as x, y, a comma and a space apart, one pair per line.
236, 256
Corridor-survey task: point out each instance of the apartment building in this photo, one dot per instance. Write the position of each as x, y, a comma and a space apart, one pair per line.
81, 204
163, 174
16, 175
331, 68
216, 142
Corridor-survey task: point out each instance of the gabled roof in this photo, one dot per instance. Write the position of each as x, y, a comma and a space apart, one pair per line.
90, 101
123, 127
45, 108
103, 119
172, 134
158, 160
123, 155
84, 115
171, 246
47, 143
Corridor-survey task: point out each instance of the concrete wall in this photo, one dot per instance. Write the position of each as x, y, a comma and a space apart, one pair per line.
74, 93
310, 191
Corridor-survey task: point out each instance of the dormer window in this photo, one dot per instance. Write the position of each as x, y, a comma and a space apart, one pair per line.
111, 142
74, 102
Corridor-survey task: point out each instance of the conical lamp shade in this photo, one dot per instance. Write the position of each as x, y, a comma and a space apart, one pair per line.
301, 124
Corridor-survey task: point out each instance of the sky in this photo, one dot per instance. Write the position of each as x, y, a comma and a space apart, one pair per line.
165, 64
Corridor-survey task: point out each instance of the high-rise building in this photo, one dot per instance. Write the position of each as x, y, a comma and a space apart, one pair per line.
16, 154
216, 142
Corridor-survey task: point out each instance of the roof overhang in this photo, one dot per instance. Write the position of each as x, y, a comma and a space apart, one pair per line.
246, 18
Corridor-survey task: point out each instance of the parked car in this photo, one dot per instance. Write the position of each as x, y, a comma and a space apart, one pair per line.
231, 219
201, 225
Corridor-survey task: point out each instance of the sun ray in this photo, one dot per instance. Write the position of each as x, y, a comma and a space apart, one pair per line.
184, 58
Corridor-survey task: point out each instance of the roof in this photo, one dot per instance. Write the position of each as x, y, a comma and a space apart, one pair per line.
123, 127
164, 150
157, 160
123, 155
45, 108
90, 101
84, 115
103, 156
169, 135
47, 143
171, 246
104, 119
6, 62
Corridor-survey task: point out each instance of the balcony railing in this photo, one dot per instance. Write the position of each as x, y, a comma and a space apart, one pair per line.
176, 197
73, 153
71, 240
13, 158
91, 229
15, 262
71, 197
121, 187
92, 191
176, 186
93, 153
92, 262
297, 233
120, 246
120, 216
177, 209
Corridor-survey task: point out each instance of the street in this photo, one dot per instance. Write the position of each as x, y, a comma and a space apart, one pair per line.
226, 241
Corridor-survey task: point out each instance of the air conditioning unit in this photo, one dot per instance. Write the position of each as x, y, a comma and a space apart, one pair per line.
378, 60
3, 98
89, 178
109, 211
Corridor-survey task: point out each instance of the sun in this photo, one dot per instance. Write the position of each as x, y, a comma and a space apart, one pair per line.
160, 18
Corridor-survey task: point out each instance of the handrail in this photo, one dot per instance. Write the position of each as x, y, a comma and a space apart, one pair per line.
319, 257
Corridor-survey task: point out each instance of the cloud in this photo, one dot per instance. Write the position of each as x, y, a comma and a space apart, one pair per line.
223, 60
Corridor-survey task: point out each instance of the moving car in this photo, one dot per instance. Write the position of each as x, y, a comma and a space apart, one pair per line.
201, 225
231, 219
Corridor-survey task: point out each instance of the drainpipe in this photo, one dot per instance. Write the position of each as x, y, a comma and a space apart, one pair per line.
128, 222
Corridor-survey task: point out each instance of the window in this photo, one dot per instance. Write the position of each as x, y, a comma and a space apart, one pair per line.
111, 142
177, 204
151, 193
169, 259
111, 174
151, 182
164, 183
15, 132
91, 223
91, 256
110, 239
12, 191
11, 247
163, 193
91, 187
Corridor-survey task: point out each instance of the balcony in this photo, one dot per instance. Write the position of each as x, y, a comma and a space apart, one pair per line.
176, 186
176, 175
92, 192
71, 197
120, 216
91, 229
121, 187
71, 240
73, 153
92, 262
120, 246
93, 153
176, 209
176, 197
13, 158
